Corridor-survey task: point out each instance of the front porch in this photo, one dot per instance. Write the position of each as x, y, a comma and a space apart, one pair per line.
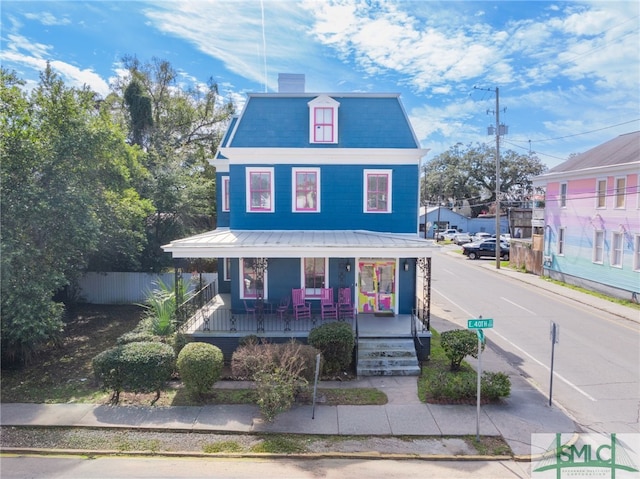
216, 318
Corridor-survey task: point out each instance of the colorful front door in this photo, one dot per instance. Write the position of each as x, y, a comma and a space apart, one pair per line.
376, 285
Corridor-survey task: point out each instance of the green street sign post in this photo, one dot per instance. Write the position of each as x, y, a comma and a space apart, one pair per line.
479, 324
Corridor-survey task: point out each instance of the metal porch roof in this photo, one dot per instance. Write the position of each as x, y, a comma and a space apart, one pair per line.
227, 243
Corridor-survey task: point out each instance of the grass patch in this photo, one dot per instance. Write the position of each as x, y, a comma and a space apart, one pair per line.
623, 302
281, 444
223, 446
489, 445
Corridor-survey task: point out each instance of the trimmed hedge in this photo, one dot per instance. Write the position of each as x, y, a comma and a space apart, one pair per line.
335, 341
458, 344
200, 366
137, 367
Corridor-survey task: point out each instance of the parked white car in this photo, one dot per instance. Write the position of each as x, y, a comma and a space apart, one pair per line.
447, 234
461, 238
477, 237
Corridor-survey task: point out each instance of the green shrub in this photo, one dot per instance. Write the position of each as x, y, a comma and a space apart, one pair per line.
495, 385
463, 385
136, 367
277, 391
200, 366
335, 341
458, 344
137, 337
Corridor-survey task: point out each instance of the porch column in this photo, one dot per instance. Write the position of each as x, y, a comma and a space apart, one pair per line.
178, 268
259, 267
425, 266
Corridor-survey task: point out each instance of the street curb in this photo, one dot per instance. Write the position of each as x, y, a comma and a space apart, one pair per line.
255, 455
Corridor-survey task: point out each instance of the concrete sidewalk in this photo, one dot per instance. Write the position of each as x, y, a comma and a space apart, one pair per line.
522, 414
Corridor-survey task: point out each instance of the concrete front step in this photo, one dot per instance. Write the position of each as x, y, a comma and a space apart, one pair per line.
387, 357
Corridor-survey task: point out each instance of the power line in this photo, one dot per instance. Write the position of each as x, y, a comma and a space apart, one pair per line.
578, 134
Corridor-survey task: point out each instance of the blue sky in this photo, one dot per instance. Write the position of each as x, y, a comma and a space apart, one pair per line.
568, 72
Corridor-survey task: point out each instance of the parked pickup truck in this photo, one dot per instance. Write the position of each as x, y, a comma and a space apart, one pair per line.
485, 248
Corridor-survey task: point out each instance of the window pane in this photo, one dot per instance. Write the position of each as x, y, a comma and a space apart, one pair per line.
314, 274
616, 249
377, 192
620, 191
306, 191
561, 241
249, 275
260, 184
598, 247
602, 193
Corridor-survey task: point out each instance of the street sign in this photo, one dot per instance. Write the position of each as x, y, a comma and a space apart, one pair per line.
480, 323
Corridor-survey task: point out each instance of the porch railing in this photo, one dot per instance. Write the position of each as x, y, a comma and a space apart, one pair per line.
186, 312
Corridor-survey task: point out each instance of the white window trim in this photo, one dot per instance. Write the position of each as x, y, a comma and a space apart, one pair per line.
365, 185
614, 250
563, 196
225, 193
615, 193
248, 172
562, 238
265, 287
294, 207
636, 253
226, 265
323, 101
326, 276
598, 207
595, 247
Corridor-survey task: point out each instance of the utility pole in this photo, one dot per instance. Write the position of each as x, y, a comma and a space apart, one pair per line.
499, 130
497, 178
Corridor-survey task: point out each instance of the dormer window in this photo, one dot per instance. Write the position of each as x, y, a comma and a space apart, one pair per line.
323, 120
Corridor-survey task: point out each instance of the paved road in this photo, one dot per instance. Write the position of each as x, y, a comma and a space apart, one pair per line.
597, 359
267, 468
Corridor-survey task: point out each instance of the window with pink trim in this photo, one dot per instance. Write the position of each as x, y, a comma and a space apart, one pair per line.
306, 194
377, 187
251, 285
225, 193
260, 190
314, 276
323, 125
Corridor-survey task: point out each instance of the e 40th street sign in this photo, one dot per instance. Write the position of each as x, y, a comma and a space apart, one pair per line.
480, 323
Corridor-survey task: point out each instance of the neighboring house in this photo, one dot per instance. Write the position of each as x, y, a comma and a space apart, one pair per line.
317, 191
592, 218
446, 218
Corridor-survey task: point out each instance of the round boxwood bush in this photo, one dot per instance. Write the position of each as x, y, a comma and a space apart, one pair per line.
138, 367
458, 344
200, 366
335, 341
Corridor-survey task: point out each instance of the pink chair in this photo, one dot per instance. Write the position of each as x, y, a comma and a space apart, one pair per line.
301, 308
346, 309
328, 308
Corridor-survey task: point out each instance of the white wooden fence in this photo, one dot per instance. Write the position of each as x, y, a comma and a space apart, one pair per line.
130, 288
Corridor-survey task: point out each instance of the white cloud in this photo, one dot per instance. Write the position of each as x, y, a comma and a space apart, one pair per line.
47, 18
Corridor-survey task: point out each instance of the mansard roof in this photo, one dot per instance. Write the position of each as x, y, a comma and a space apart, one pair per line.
281, 120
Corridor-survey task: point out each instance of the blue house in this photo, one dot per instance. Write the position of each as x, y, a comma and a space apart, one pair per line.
318, 191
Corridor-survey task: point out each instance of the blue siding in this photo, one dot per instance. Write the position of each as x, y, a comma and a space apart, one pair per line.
283, 122
341, 202
283, 274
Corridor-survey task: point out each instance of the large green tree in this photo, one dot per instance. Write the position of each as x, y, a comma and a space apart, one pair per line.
466, 177
66, 187
179, 129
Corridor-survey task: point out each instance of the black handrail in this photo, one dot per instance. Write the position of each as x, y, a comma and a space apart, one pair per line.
195, 302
